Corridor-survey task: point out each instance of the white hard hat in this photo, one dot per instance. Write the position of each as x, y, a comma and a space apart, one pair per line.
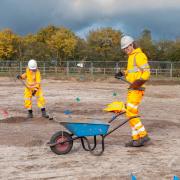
126, 41
32, 64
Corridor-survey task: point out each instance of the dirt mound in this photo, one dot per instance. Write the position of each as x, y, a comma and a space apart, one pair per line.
20, 131
162, 96
164, 82
161, 124
24, 119
14, 120
34, 142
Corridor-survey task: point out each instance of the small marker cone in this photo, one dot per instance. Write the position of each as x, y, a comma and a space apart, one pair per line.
133, 177
176, 178
67, 112
78, 99
114, 94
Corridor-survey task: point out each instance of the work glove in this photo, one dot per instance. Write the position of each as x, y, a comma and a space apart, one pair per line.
34, 92
119, 74
137, 84
18, 76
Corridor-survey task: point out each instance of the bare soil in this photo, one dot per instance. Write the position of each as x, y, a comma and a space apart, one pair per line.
23, 150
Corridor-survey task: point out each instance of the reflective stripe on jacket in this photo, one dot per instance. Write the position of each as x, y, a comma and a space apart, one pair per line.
138, 67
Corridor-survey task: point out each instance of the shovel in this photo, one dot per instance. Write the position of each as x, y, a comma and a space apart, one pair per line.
124, 80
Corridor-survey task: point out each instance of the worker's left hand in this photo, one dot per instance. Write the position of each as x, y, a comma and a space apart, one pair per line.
34, 92
119, 74
137, 84
18, 76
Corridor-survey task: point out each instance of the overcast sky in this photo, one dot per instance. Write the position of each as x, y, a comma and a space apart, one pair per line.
162, 17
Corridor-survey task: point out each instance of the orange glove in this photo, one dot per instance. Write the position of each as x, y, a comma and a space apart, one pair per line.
137, 84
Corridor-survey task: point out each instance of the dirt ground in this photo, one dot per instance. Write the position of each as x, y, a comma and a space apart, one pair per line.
23, 150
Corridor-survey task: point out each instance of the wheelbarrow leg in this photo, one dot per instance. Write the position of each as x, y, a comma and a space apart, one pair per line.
87, 149
91, 150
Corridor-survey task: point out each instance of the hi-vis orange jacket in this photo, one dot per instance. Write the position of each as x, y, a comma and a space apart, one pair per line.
33, 79
138, 67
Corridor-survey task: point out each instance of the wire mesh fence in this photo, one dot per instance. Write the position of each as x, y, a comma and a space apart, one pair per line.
71, 68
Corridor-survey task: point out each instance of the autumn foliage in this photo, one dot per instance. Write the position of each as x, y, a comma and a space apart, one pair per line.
62, 44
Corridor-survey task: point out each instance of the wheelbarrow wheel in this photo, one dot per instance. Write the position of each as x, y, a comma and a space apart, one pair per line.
61, 148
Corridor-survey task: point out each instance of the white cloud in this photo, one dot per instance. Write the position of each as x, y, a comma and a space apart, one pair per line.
161, 16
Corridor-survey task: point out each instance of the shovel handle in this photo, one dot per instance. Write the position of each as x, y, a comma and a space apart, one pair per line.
122, 79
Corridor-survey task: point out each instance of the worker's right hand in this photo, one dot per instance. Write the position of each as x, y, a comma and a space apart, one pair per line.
34, 92
18, 76
119, 74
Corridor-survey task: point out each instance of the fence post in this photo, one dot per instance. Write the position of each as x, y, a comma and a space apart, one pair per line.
67, 68
156, 72
117, 67
55, 68
91, 68
20, 67
171, 70
44, 69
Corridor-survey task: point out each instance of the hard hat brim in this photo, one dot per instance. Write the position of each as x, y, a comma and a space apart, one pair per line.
32, 68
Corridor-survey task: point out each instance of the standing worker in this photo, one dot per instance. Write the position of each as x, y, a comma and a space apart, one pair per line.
33, 88
137, 73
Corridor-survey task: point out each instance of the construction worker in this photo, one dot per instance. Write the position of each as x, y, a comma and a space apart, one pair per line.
137, 73
33, 88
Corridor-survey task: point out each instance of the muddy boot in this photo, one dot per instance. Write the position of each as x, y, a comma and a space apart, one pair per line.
30, 114
134, 143
145, 139
44, 114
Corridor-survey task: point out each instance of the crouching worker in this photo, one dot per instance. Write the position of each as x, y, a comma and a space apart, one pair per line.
137, 73
33, 88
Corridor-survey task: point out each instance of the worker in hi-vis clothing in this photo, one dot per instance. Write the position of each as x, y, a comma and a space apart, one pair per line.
33, 88
137, 73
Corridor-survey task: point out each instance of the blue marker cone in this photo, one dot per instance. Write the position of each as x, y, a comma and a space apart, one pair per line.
133, 177
176, 178
67, 112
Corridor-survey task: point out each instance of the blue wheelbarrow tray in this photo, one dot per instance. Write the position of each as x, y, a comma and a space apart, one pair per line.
80, 130
91, 128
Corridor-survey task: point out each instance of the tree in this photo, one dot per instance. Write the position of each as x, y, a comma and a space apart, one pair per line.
174, 52
146, 43
163, 49
62, 44
31, 48
105, 44
45, 34
7, 44
82, 50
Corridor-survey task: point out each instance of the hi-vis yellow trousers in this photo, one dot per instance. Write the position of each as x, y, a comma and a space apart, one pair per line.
28, 98
134, 98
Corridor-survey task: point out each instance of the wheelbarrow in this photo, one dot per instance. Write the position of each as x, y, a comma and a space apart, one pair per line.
62, 141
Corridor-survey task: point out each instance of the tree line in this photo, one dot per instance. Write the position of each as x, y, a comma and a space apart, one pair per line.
62, 44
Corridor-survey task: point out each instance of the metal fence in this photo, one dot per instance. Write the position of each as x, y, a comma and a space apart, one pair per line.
70, 68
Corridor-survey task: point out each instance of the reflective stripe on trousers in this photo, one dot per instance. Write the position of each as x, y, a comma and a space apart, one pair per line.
133, 100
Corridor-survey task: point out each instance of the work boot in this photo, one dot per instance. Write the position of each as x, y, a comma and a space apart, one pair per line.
145, 139
44, 114
30, 114
134, 143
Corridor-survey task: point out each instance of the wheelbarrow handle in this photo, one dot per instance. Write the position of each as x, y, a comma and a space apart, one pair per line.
117, 115
124, 122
